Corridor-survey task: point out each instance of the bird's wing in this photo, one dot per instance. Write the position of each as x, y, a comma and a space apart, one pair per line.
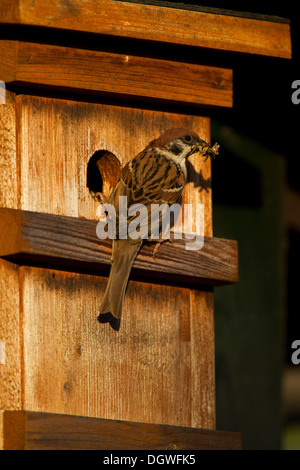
149, 181
151, 177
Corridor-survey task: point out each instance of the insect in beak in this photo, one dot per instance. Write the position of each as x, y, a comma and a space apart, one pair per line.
207, 151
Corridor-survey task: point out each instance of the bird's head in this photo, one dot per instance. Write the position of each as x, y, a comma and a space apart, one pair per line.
180, 143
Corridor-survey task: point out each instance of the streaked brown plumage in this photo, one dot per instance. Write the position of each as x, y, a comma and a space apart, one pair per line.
156, 175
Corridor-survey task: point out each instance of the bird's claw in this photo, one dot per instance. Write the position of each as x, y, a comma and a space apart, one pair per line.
158, 243
99, 197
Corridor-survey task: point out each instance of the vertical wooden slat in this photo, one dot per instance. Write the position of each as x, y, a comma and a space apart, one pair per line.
198, 189
74, 365
8, 153
48, 163
159, 368
203, 360
1, 430
10, 334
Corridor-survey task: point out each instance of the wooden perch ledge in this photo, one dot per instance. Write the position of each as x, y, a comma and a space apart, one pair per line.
28, 430
31, 237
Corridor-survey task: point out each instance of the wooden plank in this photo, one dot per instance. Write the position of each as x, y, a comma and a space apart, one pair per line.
37, 237
74, 365
9, 194
53, 164
10, 59
10, 335
203, 359
133, 76
1, 430
48, 431
13, 432
150, 22
198, 188
212, 10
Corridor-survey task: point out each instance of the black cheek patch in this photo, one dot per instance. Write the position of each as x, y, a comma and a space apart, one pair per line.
176, 149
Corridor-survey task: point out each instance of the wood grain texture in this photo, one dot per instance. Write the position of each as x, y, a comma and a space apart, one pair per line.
36, 237
1, 430
54, 158
9, 191
133, 76
203, 358
13, 430
9, 60
155, 23
151, 370
11, 335
46, 431
74, 365
198, 189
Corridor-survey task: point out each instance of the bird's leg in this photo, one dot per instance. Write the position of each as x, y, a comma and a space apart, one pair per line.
159, 242
157, 245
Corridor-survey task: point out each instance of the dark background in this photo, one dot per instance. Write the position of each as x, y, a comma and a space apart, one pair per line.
258, 319
262, 95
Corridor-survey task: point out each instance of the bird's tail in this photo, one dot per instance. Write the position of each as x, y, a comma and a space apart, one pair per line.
124, 254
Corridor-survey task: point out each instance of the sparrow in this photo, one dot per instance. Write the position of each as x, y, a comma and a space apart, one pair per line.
156, 175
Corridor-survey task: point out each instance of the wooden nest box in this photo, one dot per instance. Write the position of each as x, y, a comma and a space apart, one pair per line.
90, 81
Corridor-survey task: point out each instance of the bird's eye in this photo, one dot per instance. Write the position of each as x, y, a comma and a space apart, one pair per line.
187, 138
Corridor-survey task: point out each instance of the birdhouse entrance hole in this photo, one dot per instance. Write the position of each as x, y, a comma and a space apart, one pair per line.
103, 172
